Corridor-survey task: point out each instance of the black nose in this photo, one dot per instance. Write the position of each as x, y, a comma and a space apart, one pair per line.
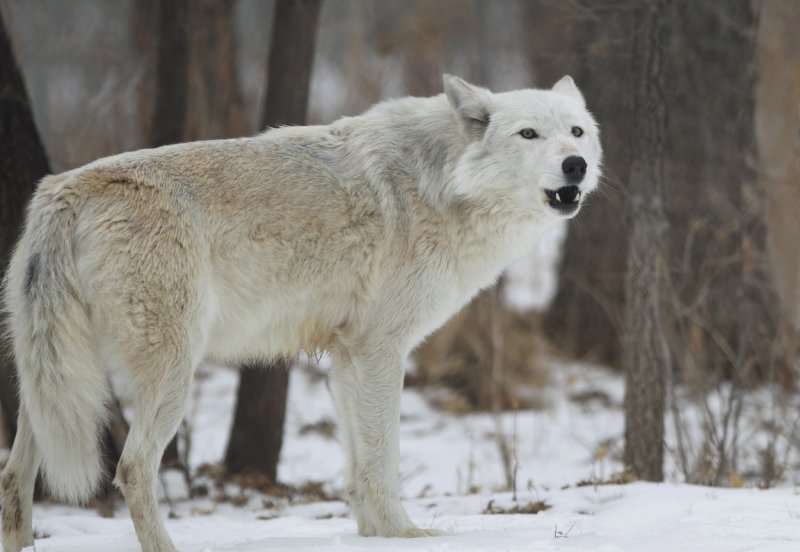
574, 168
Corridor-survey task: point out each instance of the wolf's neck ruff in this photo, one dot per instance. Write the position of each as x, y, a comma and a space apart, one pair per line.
423, 156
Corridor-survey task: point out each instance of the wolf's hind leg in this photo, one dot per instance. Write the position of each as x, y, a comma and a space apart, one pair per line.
158, 411
18, 479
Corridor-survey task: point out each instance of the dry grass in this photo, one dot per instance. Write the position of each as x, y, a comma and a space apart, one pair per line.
310, 491
517, 508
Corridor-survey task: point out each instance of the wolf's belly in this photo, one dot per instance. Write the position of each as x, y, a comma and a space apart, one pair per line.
280, 321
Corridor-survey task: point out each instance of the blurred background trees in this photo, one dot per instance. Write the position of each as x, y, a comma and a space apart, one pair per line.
100, 77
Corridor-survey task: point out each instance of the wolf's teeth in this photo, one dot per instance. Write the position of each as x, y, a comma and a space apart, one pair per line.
577, 197
558, 197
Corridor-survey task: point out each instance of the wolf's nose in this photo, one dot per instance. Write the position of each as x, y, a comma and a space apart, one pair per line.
574, 168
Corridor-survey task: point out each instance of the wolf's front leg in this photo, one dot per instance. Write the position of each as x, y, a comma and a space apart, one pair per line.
344, 390
379, 377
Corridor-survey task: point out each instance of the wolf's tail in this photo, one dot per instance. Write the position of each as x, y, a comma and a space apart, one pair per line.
63, 387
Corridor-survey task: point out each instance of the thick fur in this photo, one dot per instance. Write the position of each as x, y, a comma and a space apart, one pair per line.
359, 238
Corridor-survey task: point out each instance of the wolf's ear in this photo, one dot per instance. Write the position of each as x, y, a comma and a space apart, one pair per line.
471, 103
567, 87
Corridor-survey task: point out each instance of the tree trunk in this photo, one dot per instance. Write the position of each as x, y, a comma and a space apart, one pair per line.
290, 62
172, 58
254, 445
23, 162
778, 139
257, 432
645, 355
214, 102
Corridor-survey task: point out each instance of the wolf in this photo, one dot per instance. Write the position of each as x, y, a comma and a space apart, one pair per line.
358, 238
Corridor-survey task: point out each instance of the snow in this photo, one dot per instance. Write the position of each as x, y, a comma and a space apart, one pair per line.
633, 517
450, 472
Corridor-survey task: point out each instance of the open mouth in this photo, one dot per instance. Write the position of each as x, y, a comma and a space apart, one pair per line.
565, 200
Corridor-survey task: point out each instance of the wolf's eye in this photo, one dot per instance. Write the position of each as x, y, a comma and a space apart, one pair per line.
528, 133
577, 132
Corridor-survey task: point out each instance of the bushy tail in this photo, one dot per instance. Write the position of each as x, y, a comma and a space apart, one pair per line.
63, 387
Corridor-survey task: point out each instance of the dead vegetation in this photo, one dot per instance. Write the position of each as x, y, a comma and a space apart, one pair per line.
214, 481
463, 356
517, 508
620, 478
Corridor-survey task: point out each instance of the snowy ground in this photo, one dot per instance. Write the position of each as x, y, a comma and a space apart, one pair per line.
636, 517
450, 473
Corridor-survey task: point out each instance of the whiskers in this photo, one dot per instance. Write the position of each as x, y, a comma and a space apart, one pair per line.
609, 184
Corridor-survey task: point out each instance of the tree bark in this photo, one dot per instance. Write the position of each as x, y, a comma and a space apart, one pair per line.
254, 445
290, 62
257, 433
214, 102
778, 140
172, 58
23, 162
645, 355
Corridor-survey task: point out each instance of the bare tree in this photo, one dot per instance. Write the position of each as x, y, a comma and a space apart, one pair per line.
257, 433
645, 355
23, 162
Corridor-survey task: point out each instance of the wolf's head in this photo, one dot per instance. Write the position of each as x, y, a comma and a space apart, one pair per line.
540, 149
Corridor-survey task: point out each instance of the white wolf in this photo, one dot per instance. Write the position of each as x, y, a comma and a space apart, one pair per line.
358, 238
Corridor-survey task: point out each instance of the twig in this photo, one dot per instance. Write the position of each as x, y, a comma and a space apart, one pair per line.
563, 534
497, 380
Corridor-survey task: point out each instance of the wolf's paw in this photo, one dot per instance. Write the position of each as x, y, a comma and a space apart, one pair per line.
15, 541
417, 532
365, 527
